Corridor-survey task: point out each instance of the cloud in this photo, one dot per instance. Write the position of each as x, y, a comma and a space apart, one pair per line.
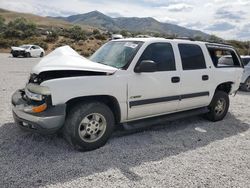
222, 26
244, 32
195, 25
231, 15
178, 7
225, 18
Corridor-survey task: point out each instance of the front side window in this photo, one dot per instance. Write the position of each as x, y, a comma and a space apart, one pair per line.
162, 54
192, 57
117, 54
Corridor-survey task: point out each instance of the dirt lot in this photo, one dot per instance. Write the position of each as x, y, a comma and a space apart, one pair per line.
185, 153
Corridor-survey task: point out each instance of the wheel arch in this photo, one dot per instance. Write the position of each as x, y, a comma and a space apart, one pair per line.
110, 101
226, 87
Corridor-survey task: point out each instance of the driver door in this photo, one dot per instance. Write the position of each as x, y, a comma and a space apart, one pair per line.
154, 93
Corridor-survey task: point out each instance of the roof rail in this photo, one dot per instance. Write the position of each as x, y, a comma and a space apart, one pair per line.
208, 41
181, 38
224, 43
185, 38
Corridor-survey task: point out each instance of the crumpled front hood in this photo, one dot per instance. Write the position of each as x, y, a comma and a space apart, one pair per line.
65, 58
17, 48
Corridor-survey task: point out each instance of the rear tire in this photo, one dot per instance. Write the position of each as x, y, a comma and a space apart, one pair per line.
246, 85
218, 108
42, 54
88, 126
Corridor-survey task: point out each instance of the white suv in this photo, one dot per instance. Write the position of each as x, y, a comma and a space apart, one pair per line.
124, 82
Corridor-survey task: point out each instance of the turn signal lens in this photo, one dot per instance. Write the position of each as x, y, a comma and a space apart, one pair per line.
40, 108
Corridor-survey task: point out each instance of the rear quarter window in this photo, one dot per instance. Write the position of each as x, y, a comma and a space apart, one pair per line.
223, 58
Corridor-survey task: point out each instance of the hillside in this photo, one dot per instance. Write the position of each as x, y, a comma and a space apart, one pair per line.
132, 24
43, 22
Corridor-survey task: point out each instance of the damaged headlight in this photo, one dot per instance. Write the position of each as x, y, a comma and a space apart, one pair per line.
36, 92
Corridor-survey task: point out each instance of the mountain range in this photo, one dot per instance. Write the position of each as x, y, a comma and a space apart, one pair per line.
132, 24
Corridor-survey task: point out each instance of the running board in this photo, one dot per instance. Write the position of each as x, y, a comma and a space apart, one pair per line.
149, 122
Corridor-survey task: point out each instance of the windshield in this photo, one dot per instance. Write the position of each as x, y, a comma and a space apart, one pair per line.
117, 54
245, 61
25, 46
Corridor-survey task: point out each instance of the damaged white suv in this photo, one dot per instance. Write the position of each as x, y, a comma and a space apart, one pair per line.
124, 82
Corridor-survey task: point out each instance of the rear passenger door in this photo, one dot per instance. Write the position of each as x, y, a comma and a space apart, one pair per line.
195, 77
154, 93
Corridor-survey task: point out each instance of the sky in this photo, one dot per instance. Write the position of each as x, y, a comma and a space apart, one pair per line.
229, 19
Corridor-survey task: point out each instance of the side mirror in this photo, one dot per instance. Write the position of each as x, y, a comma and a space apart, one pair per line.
146, 66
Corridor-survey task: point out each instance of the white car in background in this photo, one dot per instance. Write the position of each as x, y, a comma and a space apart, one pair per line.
245, 82
27, 51
116, 36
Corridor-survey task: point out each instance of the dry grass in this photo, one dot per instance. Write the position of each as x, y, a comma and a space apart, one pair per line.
41, 21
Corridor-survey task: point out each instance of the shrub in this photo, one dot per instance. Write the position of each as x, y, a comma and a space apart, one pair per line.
100, 37
85, 54
52, 37
96, 32
2, 25
20, 28
44, 45
77, 33
7, 43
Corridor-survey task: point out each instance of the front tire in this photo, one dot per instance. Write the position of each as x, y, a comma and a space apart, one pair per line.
218, 108
246, 85
88, 126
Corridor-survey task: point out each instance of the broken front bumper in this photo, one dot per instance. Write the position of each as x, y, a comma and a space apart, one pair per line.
49, 121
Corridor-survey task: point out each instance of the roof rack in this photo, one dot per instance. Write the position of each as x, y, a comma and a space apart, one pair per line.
185, 38
181, 38
192, 39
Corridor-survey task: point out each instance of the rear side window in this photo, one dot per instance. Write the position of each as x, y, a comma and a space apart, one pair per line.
162, 54
192, 57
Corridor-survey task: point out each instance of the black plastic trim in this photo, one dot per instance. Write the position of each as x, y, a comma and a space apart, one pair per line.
201, 94
167, 99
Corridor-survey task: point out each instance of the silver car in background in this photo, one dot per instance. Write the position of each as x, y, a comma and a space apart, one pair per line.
245, 82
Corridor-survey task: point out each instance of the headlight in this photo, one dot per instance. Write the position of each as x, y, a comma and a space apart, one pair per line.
33, 96
34, 88
36, 92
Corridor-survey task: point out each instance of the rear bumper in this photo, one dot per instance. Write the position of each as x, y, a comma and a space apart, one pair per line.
49, 121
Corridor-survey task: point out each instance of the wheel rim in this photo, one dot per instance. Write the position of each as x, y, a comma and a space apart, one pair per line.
220, 107
92, 127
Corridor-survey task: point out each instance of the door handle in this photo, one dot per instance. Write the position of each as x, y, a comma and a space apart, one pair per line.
175, 79
205, 77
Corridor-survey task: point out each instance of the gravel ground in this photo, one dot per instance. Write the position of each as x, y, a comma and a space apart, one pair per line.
186, 153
